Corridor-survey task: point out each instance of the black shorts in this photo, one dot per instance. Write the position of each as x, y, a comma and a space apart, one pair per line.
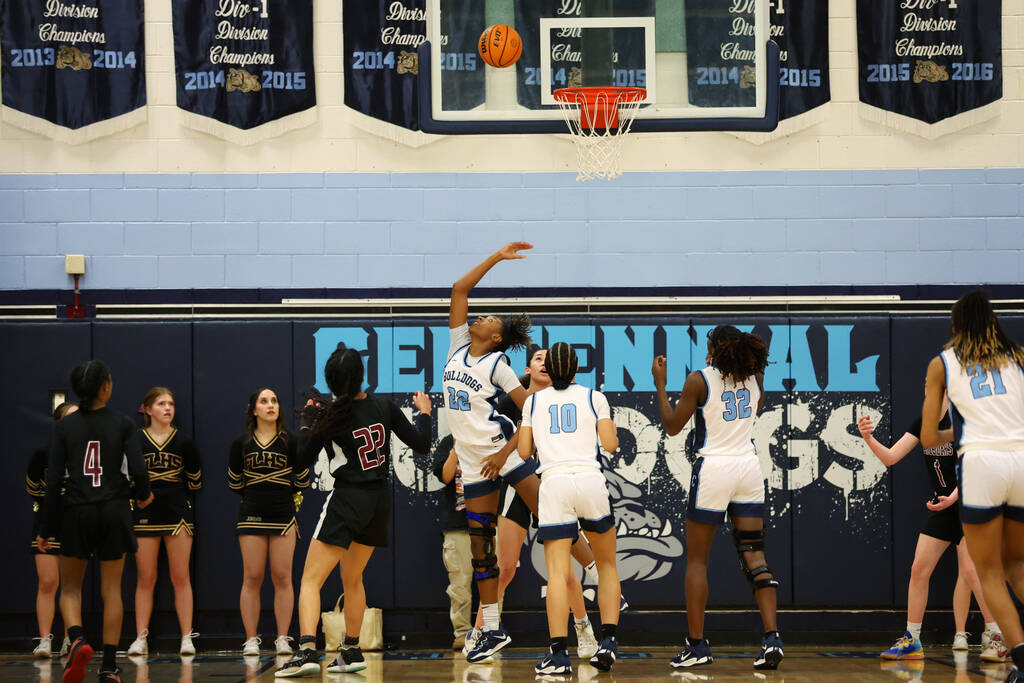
37, 524
266, 517
945, 524
169, 514
359, 514
512, 507
100, 530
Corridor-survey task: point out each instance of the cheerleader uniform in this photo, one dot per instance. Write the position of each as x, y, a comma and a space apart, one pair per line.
174, 475
266, 477
35, 484
359, 507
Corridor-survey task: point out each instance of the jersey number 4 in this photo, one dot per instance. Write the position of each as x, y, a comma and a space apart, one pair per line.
369, 451
737, 404
91, 467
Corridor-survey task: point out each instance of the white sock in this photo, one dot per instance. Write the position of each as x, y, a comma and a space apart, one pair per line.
914, 628
590, 571
582, 622
992, 626
492, 618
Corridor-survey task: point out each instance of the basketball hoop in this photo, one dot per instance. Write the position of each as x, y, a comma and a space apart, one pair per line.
598, 119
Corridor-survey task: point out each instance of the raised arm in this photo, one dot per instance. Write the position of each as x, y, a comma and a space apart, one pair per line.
888, 456
931, 411
417, 438
694, 393
458, 310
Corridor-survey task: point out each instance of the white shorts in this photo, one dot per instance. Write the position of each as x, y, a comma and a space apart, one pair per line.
991, 484
471, 461
571, 498
725, 483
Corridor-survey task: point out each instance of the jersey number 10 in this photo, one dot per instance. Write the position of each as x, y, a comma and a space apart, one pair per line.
563, 418
92, 467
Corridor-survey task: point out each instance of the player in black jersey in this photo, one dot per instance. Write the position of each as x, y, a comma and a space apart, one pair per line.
941, 530
47, 564
174, 475
92, 510
263, 469
515, 518
355, 430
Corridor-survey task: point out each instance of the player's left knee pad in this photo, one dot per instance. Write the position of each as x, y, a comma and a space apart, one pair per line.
485, 567
751, 542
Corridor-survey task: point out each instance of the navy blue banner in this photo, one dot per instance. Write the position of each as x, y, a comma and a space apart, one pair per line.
930, 61
382, 66
69, 66
800, 27
245, 65
720, 53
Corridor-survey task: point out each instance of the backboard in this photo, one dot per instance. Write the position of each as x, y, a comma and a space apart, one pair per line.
703, 63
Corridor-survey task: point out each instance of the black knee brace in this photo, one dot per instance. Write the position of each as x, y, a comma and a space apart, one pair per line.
485, 567
750, 542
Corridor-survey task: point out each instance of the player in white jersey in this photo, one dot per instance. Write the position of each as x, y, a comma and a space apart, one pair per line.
476, 375
724, 399
565, 421
980, 371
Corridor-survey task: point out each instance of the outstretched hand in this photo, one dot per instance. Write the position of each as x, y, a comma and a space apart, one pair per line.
865, 427
422, 402
659, 369
512, 249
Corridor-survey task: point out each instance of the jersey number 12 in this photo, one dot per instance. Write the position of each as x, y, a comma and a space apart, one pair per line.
92, 467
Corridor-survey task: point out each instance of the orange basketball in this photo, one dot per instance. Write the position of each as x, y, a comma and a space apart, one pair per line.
500, 45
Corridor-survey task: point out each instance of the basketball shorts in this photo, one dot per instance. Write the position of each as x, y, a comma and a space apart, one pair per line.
37, 525
355, 513
512, 507
725, 483
266, 517
169, 514
471, 462
945, 524
568, 501
991, 484
101, 530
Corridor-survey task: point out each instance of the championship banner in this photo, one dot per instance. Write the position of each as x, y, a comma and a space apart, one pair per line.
720, 53
800, 28
382, 64
73, 71
245, 70
930, 68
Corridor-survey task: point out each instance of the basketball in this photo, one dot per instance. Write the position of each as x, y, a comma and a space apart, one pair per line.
500, 45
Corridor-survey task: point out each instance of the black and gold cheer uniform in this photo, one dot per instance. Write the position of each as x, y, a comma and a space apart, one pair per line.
92, 512
35, 484
940, 463
359, 507
174, 475
266, 476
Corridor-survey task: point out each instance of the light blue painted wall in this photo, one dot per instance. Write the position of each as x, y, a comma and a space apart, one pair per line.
422, 230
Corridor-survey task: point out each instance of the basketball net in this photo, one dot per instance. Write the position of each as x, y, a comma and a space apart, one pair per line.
599, 119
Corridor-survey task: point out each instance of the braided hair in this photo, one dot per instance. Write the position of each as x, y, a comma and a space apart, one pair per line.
737, 355
86, 381
978, 338
344, 374
515, 333
561, 364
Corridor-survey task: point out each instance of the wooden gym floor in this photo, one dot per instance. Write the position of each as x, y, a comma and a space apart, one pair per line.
515, 665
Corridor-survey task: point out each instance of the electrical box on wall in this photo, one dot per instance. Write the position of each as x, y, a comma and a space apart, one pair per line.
74, 264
